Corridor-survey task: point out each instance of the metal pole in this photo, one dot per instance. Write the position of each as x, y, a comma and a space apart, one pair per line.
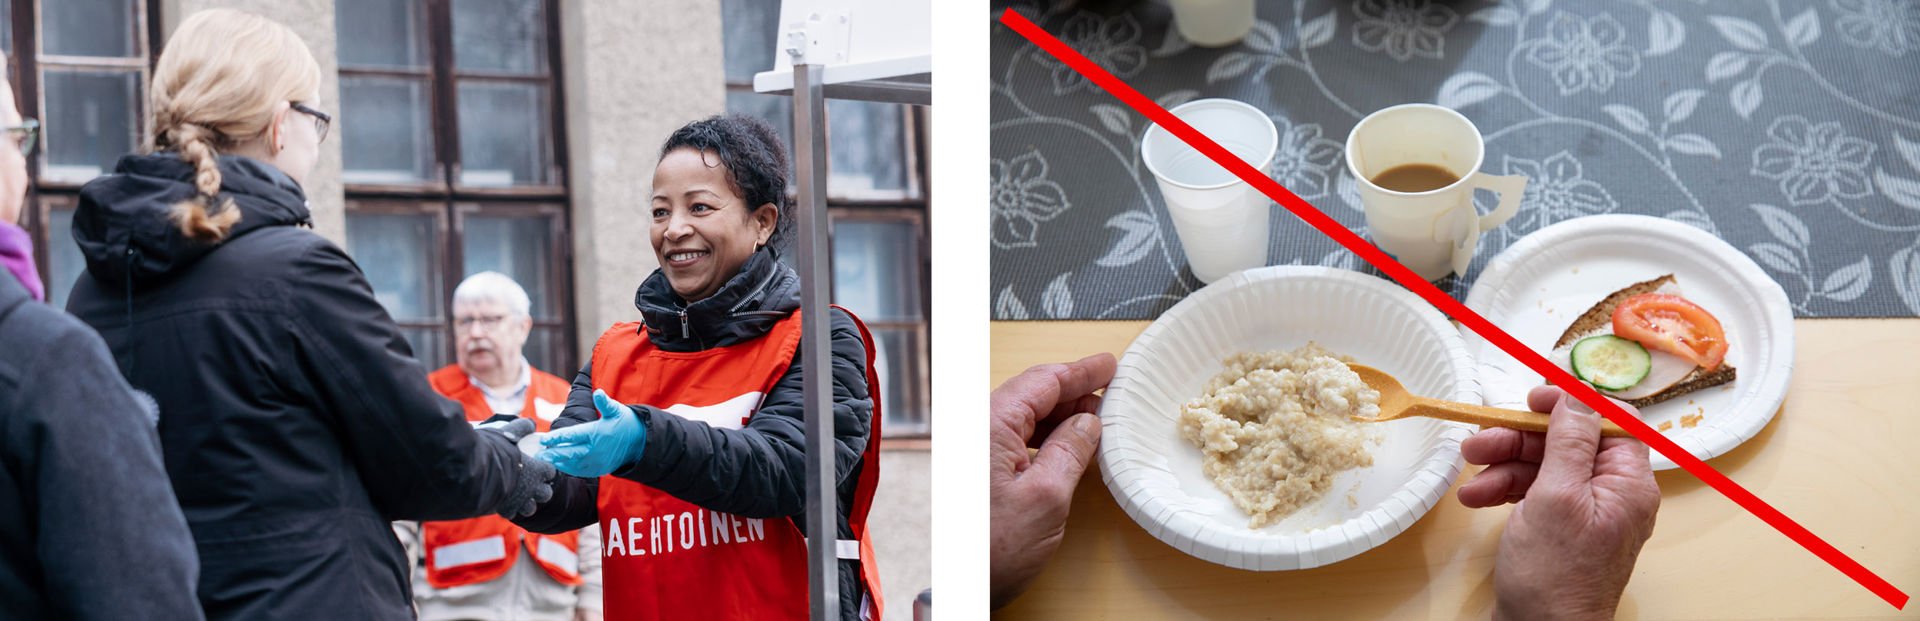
816, 290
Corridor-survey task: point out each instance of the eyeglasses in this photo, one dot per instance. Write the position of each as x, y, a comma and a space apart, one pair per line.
486, 322
321, 120
24, 135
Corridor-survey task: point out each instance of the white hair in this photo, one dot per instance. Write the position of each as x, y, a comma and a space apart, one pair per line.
494, 287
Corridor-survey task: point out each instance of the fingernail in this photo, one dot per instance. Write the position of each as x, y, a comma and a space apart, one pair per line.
1577, 406
1086, 422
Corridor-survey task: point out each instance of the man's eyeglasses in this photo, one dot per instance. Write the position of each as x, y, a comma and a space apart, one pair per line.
486, 322
321, 120
24, 135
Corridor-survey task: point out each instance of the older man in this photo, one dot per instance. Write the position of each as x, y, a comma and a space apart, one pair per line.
487, 568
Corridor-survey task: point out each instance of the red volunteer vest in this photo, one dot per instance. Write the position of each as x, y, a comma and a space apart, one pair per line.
666, 558
482, 549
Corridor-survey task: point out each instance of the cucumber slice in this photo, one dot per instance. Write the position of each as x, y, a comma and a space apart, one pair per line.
1611, 362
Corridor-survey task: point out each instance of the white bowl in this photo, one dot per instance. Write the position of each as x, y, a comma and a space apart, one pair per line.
1156, 475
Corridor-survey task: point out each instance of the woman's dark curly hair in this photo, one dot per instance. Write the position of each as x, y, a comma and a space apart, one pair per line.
755, 159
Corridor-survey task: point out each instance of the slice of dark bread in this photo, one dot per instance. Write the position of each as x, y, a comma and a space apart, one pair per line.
1600, 317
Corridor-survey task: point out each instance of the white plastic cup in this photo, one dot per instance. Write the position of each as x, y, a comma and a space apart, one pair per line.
1221, 220
1213, 23
1437, 231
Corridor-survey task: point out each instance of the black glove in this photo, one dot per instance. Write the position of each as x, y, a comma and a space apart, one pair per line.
533, 485
532, 478
513, 427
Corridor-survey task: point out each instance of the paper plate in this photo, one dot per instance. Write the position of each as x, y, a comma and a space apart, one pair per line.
1540, 284
1155, 474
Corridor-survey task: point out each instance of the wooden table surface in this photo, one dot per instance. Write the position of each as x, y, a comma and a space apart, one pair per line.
1838, 459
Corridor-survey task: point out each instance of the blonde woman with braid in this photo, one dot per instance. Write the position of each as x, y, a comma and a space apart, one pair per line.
294, 422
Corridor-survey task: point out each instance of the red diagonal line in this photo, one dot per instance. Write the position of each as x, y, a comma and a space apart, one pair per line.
1379, 259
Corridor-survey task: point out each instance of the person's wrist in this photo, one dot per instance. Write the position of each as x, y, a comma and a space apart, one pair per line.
641, 420
1552, 607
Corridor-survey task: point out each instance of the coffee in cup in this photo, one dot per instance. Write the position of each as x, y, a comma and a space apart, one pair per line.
1417, 166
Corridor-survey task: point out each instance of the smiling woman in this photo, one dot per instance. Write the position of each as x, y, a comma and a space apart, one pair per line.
716, 201
696, 411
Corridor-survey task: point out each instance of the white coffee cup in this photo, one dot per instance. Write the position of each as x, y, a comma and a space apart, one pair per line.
1213, 23
1221, 220
1434, 232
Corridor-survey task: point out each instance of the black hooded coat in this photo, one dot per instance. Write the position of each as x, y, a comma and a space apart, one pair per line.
295, 423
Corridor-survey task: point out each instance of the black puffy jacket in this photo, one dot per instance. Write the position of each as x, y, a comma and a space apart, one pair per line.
758, 471
294, 421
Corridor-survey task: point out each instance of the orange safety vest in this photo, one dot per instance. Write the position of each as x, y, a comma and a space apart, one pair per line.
475, 550
666, 558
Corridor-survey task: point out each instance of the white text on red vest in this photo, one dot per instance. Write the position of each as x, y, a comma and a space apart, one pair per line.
665, 534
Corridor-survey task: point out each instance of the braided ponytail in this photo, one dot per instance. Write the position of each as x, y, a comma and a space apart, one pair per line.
207, 216
216, 88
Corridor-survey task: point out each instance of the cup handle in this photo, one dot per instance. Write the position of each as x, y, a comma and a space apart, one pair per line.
1464, 236
1511, 189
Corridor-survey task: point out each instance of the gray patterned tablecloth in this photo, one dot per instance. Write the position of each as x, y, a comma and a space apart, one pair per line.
1789, 129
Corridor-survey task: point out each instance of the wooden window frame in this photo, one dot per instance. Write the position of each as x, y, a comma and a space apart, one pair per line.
915, 199
38, 223
922, 366
25, 63
444, 192
914, 121
443, 240
557, 239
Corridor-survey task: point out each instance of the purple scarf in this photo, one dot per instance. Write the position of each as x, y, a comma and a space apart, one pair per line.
16, 253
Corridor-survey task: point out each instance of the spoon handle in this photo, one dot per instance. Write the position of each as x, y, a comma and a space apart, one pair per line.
1488, 416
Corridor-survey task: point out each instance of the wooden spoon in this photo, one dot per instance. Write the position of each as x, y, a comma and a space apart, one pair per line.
1396, 403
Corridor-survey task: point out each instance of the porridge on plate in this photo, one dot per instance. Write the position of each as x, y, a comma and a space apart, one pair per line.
1276, 427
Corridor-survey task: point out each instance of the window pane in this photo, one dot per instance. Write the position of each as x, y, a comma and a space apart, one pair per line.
876, 268
503, 134
546, 350
429, 345
500, 35
380, 33
867, 144
400, 254
90, 119
88, 27
6, 34
522, 249
898, 365
64, 263
749, 28
384, 132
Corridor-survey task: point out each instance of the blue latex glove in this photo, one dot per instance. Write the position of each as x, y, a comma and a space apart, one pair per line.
598, 448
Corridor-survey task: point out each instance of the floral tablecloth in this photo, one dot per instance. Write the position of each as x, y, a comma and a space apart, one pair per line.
1789, 129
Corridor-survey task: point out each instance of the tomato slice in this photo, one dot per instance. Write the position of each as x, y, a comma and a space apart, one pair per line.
1671, 324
